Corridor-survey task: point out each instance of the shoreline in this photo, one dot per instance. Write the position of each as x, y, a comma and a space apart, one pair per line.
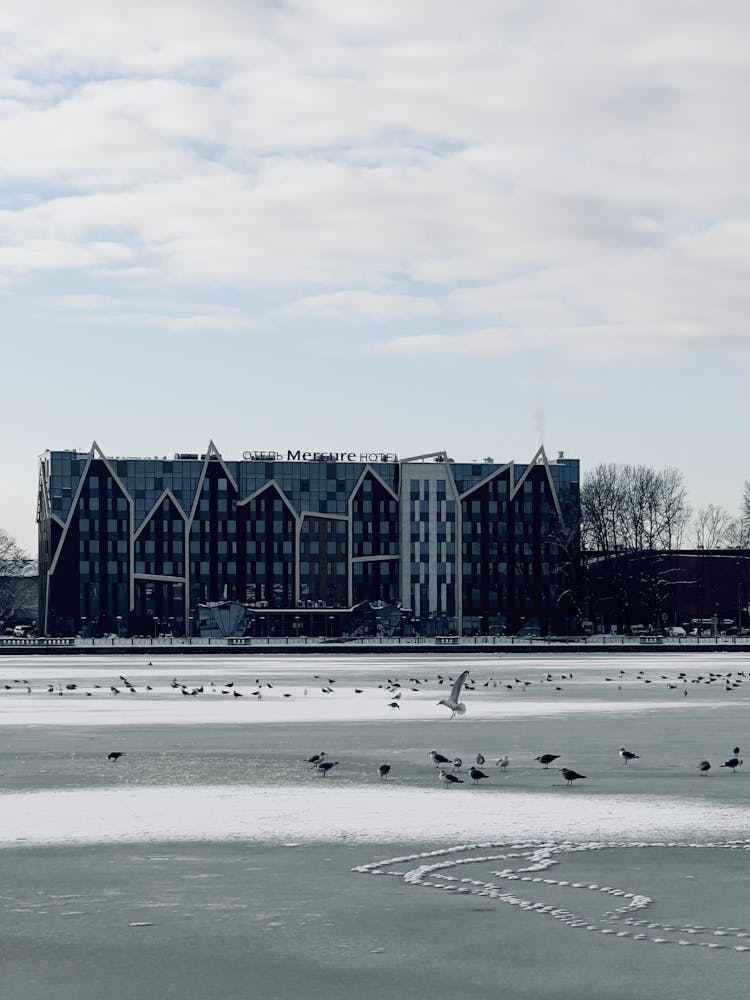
258, 647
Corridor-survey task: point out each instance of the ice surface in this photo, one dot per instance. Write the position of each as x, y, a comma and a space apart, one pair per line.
375, 814
592, 684
211, 857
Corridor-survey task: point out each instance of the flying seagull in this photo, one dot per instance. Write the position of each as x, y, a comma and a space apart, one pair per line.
570, 776
457, 707
627, 756
547, 758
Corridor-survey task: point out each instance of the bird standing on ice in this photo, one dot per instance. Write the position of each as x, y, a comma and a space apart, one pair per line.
477, 775
569, 775
457, 707
704, 766
546, 759
449, 779
733, 763
438, 758
384, 770
627, 756
503, 762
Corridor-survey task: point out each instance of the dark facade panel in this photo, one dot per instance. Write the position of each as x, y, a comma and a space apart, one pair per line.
266, 550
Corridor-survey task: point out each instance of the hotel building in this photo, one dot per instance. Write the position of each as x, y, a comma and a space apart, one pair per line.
133, 546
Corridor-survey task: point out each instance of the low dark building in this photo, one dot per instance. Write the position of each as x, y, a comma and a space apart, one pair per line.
692, 588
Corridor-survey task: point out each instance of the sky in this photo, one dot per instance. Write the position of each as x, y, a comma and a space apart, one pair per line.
375, 226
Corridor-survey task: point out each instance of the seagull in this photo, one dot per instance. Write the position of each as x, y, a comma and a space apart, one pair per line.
316, 758
736, 751
503, 762
384, 770
734, 763
438, 758
627, 756
477, 775
115, 754
458, 763
570, 776
480, 759
704, 766
457, 707
325, 766
547, 758
449, 779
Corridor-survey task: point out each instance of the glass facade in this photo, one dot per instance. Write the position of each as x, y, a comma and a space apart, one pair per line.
135, 545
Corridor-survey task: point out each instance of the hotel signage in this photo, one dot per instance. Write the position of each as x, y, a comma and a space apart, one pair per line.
319, 456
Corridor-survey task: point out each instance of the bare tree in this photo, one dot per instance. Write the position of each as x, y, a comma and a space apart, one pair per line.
631, 516
738, 534
674, 509
713, 528
13, 562
633, 508
602, 509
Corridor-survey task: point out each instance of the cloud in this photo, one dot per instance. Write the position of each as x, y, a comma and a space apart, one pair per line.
176, 317
363, 304
530, 177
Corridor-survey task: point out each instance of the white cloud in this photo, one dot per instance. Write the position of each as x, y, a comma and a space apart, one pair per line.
555, 177
177, 317
378, 306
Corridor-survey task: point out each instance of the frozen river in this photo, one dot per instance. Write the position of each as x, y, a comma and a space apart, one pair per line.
211, 829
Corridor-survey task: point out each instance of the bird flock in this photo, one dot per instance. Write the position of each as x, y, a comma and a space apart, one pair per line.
450, 770
397, 692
